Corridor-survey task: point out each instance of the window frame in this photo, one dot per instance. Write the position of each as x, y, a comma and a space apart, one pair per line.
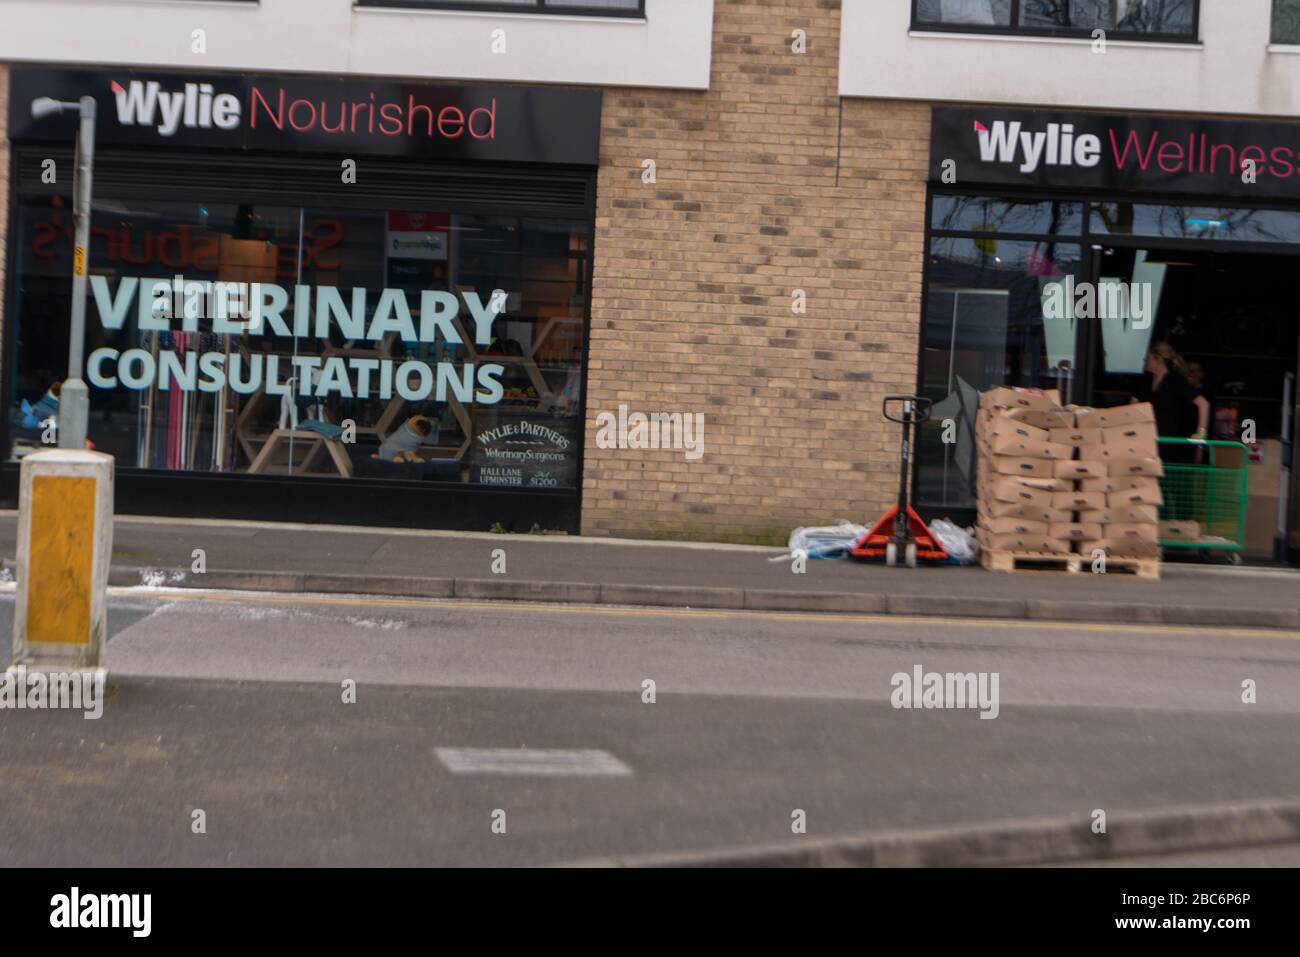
1014, 29
568, 8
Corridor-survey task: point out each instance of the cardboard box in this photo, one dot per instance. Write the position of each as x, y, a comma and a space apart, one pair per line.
1124, 415
1132, 548
1014, 526
1003, 426
1130, 514
1013, 490
1102, 485
1094, 453
1078, 469
1015, 445
1140, 435
1122, 483
1024, 510
1131, 468
1087, 549
1177, 530
1075, 437
1130, 532
1043, 418
1115, 452
1079, 501
1075, 531
1021, 543
1024, 466
1145, 494
1013, 398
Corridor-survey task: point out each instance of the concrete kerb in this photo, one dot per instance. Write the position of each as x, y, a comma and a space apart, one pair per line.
929, 606
1012, 843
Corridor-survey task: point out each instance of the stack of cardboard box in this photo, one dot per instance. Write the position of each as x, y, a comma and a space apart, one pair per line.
1017, 482
1063, 480
1130, 526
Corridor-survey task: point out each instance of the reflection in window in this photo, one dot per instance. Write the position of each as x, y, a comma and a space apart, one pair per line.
987, 214
385, 344
1286, 21
1197, 222
1175, 19
983, 327
1168, 17
974, 12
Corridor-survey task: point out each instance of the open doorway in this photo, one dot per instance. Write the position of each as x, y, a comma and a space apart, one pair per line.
1234, 319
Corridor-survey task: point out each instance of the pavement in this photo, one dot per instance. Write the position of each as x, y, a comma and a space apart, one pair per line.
231, 704
417, 563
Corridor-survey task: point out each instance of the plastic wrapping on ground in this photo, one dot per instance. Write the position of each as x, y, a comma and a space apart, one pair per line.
823, 541
958, 542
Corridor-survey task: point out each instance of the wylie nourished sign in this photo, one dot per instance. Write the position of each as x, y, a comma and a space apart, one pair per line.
1151, 154
313, 115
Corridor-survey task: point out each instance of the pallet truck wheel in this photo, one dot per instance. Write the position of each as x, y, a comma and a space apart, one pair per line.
910, 555
891, 554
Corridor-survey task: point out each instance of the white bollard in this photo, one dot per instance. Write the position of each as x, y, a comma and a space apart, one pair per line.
65, 544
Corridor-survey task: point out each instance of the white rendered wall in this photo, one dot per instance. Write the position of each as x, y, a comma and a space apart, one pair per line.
1232, 69
669, 48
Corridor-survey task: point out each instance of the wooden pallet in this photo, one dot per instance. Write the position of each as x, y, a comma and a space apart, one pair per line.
997, 560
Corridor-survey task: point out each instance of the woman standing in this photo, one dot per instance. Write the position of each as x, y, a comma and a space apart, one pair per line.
1181, 412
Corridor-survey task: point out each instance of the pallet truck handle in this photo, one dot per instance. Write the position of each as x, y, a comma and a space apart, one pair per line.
920, 410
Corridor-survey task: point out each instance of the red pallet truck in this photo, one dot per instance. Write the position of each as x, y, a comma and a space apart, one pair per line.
900, 530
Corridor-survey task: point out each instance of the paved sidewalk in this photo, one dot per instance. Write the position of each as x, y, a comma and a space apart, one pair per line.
295, 558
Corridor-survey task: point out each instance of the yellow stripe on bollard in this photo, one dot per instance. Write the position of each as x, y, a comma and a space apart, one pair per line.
59, 584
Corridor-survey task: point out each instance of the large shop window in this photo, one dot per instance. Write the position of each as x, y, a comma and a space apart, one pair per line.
987, 279
311, 341
1174, 20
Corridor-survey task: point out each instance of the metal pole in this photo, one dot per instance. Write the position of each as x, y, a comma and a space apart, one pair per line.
74, 400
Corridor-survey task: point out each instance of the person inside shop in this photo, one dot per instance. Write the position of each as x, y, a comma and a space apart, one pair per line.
1202, 398
1180, 412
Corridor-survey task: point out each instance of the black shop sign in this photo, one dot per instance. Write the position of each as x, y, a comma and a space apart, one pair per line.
314, 115
1148, 154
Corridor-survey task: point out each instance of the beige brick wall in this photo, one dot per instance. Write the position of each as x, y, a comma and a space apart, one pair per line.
763, 187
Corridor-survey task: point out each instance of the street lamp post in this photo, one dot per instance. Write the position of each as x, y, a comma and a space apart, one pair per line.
74, 399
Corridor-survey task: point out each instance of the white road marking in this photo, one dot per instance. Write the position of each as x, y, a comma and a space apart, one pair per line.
553, 762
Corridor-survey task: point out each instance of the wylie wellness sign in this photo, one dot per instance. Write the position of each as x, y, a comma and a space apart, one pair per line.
1153, 154
314, 115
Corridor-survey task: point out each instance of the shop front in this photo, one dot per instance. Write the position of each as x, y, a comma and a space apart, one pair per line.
1061, 247
362, 302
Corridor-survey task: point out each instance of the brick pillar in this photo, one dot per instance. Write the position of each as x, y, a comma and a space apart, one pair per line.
765, 184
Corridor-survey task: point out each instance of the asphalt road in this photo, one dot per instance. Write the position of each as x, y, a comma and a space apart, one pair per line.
235, 708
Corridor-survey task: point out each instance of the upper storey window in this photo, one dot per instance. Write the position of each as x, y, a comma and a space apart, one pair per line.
1166, 20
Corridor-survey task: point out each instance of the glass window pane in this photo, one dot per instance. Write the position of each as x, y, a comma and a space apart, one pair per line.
988, 214
974, 12
1286, 21
448, 348
1196, 222
983, 327
1170, 17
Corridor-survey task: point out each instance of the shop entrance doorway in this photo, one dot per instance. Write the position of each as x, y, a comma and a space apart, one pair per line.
1234, 319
